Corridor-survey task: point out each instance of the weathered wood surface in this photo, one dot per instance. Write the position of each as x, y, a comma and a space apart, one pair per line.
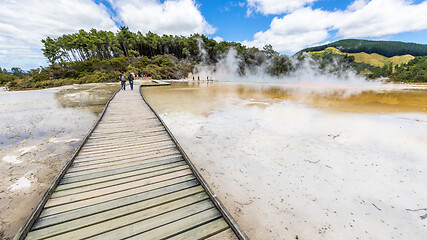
129, 181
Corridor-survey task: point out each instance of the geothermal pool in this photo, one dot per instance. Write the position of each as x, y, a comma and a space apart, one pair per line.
39, 131
311, 162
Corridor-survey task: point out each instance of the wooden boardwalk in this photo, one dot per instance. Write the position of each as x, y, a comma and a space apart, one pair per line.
130, 179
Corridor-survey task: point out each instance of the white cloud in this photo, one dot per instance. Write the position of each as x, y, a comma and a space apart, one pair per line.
381, 17
296, 30
276, 6
218, 39
376, 18
176, 17
24, 23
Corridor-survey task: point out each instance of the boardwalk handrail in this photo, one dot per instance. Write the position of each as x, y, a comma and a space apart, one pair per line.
23, 231
227, 216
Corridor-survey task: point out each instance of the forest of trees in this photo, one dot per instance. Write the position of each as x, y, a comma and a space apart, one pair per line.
413, 71
100, 56
105, 45
385, 48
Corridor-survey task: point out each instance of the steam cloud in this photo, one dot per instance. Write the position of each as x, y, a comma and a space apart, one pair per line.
305, 72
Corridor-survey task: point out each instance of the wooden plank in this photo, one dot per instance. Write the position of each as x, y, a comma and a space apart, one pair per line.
150, 146
152, 196
93, 140
88, 159
124, 143
114, 189
107, 120
122, 123
141, 132
164, 147
121, 132
161, 83
111, 132
113, 196
224, 235
203, 231
144, 159
141, 151
99, 165
124, 149
181, 225
131, 167
125, 134
128, 179
135, 133
120, 142
119, 151
142, 122
98, 143
116, 110
127, 130
118, 176
122, 216
100, 227
122, 119
154, 222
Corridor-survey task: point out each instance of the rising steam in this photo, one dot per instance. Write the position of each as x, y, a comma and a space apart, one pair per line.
231, 67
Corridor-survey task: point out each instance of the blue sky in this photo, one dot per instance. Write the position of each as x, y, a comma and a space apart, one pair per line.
231, 21
287, 25
233, 24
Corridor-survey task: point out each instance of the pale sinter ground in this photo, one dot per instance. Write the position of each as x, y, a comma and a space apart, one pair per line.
287, 169
39, 131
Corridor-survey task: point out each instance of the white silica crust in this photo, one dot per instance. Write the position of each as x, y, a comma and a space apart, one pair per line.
284, 168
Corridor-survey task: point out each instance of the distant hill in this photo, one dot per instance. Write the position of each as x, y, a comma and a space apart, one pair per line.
404, 68
373, 59
384, 48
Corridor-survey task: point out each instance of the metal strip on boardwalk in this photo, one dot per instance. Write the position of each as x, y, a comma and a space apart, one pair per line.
129, 179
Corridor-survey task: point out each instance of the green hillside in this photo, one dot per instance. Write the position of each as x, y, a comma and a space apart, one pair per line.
384, 48
405, 68
373, 59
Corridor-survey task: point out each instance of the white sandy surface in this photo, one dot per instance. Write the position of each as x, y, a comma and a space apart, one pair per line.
39, 131
287, 170
11, 159
22, 182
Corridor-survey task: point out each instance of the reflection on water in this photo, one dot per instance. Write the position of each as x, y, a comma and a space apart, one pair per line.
386, 99
39, 113
39, 130
86, 97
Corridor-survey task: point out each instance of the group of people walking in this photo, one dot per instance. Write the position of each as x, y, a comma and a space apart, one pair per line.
130, 78
198, 78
